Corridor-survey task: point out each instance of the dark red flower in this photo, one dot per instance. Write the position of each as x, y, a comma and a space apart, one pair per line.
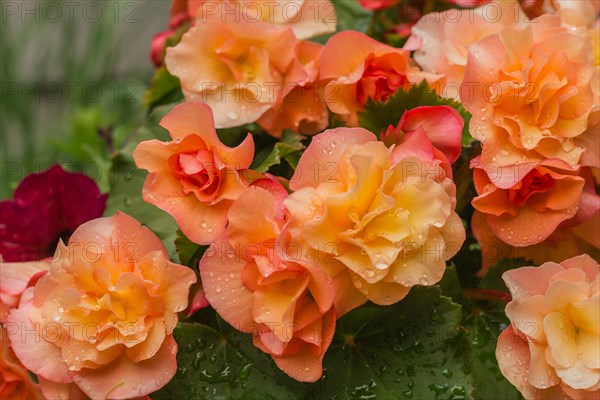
46, 207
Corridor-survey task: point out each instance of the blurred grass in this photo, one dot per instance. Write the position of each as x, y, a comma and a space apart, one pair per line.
72, 88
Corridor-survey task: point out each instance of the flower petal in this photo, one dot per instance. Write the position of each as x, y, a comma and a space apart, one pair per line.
126, 379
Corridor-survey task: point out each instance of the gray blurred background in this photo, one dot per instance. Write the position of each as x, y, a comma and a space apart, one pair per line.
70, 72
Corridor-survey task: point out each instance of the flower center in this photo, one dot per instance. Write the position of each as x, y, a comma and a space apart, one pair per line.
534, 182
197, 172
380, 80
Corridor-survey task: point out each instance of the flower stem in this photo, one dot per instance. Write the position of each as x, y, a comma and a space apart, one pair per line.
487, 294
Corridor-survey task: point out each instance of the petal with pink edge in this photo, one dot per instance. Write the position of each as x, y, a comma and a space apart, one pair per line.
529, 281
121, 230
14, 277
28, 342
512, 354
305, 366
442, 124
221, 271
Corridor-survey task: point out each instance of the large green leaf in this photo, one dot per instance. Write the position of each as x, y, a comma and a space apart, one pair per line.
126, 182
164, 88
484, 321
377, 116
288, 148
225, 365
413, 349
188, 252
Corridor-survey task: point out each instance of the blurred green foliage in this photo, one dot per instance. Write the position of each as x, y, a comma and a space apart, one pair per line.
70, 92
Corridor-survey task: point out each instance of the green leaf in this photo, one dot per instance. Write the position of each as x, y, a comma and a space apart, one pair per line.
189, 253
450, 285
232, 137
484, 327
484, 322
164, 88
493, 278
350, 16
378, 116
126, 182
413, 349
224, 365
287, 149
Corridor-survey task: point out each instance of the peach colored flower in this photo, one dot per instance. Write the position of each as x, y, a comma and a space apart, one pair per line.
360, 68
530, 92
565, 242
15, 382
102, 317
529, 211
578, 14
14, 279
552, 348
442, 39
239, 68
430, 133
301, 107
390, 222
260, 284
195, 177
307, 18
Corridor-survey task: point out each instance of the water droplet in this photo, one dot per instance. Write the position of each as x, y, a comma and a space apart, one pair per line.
181, 372
370, 273
61, 310
435, 316
245, 371
381, 266
200, 343
232, 116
